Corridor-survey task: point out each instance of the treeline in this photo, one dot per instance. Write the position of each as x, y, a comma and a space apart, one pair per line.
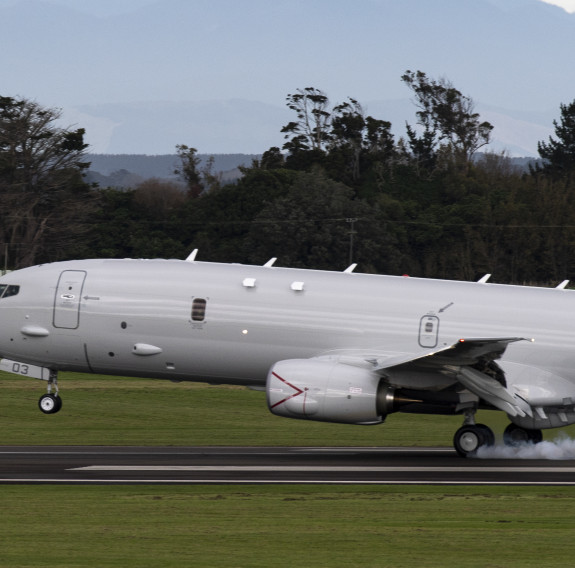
344, 190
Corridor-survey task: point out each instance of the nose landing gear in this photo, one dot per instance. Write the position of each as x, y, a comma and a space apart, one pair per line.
51, 403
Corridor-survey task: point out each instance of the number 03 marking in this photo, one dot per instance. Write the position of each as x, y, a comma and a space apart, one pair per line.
20, 369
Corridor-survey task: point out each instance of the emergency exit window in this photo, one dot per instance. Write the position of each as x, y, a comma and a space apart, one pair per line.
199, 309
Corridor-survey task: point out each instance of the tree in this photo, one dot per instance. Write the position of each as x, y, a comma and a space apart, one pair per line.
358, 141
159, 197
138, 223
311, 130
310, 226
199, 180
189, 169
272, 159
219, 222
348, 126
448, 119
45, 203
559, 155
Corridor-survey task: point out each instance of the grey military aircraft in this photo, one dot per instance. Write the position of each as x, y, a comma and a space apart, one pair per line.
329, 346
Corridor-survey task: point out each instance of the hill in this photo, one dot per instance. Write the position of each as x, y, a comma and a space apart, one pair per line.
128, 170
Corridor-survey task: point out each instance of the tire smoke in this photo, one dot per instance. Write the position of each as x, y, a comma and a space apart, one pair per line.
562, 448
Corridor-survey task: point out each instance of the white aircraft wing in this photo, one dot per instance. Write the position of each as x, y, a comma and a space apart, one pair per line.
470, 362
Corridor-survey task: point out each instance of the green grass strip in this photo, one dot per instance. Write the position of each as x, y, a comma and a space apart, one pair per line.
126, 411
252, 526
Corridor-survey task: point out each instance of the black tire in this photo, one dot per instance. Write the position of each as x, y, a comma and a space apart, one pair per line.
468, 439
535, 436
58, 403
50, 403
488, 433
514, 435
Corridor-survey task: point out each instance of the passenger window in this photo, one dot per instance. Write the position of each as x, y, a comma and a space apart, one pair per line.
199, 309
7, 290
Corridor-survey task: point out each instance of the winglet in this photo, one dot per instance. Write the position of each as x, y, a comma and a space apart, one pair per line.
192, 256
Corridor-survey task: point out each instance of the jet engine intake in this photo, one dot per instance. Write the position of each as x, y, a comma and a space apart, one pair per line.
323, 390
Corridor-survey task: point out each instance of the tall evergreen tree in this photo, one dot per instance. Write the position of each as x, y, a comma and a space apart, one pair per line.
558, 155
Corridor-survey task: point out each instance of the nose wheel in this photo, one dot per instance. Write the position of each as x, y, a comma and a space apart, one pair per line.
51, 403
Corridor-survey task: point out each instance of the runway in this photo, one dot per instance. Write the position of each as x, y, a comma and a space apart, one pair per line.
269, 465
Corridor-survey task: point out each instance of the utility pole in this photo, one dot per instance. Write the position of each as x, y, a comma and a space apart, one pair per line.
351, 221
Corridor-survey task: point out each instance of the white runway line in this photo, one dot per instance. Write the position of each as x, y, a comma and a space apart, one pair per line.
323, 469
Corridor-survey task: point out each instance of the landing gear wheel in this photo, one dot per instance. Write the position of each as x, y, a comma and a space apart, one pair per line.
488, 433
515, 435
50, 403
468, 439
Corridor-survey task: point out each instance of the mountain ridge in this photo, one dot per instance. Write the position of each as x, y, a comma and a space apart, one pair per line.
237, 126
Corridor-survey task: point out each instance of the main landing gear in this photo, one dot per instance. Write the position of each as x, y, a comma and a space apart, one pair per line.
470, 437
51, 403
515, 435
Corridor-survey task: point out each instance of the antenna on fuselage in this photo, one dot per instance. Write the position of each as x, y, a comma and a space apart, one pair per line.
562, 285
270, 262
350, 268
192, 256
484, 279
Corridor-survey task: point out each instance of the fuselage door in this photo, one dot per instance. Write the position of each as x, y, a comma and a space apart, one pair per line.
428, 331
67, 299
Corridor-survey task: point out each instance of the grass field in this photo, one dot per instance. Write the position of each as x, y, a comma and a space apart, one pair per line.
285, 526
253, 526
125, 411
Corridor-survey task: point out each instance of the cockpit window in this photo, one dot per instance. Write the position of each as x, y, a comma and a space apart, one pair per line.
7, 290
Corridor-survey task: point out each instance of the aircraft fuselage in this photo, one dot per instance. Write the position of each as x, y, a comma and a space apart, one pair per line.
222, 323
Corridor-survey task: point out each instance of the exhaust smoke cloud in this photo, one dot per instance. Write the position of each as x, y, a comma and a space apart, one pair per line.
562, 448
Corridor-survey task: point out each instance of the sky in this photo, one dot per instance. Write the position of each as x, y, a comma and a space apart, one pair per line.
98, 7
227, 64
160, 53
106, 7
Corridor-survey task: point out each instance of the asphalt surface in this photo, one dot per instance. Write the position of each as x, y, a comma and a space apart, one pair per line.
181, 465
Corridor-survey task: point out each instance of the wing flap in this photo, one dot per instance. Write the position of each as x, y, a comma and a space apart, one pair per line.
458, 360
493, 391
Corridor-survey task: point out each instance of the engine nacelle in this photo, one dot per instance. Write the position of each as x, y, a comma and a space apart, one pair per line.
326, 391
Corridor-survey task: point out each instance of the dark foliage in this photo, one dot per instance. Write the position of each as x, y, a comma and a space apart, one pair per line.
344, 190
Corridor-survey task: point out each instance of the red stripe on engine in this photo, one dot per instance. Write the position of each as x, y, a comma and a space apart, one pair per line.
297, 389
